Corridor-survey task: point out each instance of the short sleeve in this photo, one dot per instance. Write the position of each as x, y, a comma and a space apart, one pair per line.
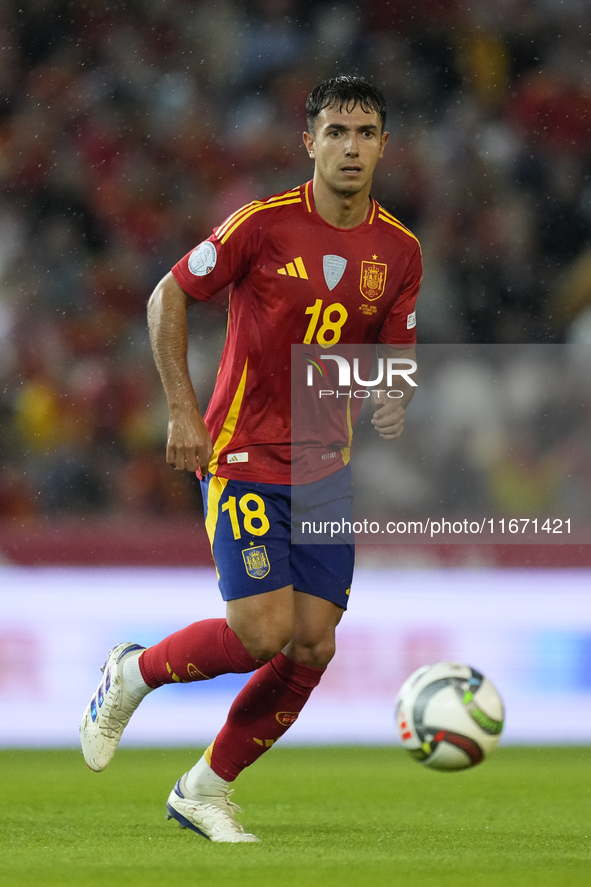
399, 327
216, 262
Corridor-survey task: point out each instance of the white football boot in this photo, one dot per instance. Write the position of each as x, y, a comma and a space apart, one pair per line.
212, 816
109, 710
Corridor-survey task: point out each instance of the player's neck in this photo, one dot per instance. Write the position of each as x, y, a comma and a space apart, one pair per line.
343, 210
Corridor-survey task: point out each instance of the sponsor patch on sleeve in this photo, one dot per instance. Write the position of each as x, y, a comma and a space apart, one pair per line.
411, 320
203, 258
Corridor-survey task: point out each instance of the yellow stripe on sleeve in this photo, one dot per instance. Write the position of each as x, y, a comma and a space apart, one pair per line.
257, 209
219, 231
246, 210
392, 221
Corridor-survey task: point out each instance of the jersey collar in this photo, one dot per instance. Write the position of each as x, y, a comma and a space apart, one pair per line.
311, 208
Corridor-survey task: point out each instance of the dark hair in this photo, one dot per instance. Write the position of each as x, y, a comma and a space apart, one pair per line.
345, 91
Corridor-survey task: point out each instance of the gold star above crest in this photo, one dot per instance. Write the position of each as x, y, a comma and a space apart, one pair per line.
374, 258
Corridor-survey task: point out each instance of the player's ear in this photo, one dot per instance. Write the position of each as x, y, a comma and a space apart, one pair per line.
309, 143
383, 139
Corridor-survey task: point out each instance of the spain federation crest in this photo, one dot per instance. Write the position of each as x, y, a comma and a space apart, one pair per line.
373, 280
256, 561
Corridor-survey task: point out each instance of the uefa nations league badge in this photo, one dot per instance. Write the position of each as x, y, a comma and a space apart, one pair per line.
334, 268
203, 258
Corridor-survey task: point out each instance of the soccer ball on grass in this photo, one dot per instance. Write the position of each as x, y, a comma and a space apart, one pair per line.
449, 716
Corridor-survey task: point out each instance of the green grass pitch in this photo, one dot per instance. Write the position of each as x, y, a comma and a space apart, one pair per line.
331, 817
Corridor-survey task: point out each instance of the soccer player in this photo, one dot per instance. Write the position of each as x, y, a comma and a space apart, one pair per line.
320, 264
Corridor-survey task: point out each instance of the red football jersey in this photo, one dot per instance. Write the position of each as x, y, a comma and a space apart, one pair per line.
294, 279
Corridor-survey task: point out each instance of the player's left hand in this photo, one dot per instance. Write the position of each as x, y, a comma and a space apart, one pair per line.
388, 417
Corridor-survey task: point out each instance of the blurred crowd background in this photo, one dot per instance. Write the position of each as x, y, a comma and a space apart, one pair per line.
129, 130
493, 431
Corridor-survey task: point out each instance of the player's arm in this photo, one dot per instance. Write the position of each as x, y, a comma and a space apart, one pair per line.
189, 443
399, 326
388, 417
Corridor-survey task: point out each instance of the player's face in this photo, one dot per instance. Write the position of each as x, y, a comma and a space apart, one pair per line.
346, 147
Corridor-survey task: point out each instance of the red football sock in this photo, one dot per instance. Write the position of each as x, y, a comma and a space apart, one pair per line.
198, 652
263, 710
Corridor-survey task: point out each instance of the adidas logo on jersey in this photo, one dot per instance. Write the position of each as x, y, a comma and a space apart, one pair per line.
294, 269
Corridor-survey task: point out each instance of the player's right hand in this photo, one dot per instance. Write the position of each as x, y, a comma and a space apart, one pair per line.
189, 445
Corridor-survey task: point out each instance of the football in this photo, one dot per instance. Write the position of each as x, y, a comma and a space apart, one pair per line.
449, 716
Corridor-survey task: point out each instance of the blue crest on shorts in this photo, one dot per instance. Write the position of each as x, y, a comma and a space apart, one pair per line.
256, 561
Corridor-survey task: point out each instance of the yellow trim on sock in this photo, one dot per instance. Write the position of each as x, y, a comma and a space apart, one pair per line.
208, 753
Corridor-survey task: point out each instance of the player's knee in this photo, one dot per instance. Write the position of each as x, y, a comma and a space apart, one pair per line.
264, 653
264, 644
317, 655
321, 654
263, 650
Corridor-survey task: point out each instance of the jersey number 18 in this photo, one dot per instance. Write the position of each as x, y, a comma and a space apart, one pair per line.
330, 330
